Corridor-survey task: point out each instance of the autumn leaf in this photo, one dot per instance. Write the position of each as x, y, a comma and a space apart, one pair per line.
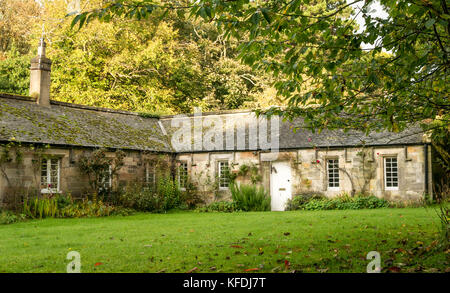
287, 264
394, 269
236, 246
98, 264
252, 269
191, 270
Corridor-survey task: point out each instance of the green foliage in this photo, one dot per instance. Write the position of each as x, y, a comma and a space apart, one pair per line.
100, 168
8, 217
41, 207
144, 199
87, 208
63, 206
250, 197
317, 55
298, 201
343, 202
15, 73
166, 196
220, 206
250, 170
190, 196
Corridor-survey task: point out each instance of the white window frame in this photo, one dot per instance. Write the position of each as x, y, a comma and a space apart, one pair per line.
149, 167
180, 164
385, 173
219, 173
48, 176
333, 188
107, 184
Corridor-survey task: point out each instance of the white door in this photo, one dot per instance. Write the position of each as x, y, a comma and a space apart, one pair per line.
280, 185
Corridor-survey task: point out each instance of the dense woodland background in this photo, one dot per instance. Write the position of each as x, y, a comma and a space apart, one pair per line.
165, 64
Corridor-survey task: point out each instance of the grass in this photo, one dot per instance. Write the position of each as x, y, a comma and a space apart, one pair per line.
306, 241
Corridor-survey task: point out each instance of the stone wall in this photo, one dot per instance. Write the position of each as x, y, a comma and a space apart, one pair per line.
23, 176
361, 170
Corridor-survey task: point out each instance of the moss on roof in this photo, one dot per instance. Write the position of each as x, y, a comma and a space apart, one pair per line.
23, 120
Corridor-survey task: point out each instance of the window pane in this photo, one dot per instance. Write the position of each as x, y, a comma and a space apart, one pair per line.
224, 174
182, 174
333, 173
44, 181
391, 172
150, 175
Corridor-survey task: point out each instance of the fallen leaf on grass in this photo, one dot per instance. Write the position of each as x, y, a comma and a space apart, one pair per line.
98, 264
252, 269
191, 270
287, 264
236, 246
394, 269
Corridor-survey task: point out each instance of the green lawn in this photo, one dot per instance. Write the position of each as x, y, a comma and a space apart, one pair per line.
319, 241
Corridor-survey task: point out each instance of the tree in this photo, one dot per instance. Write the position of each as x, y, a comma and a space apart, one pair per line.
165, 64
16, 18
314, 50
15, 72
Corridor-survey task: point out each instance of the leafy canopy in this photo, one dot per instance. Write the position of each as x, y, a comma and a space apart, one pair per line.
315, 51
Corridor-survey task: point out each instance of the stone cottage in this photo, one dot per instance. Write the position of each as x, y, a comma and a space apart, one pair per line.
209, 149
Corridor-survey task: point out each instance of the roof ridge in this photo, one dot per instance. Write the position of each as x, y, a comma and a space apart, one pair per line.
17, 97
78, 106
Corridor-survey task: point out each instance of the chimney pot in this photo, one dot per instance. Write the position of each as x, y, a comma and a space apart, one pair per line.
41, 48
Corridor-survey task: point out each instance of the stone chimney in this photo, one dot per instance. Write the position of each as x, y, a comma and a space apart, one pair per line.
40, 76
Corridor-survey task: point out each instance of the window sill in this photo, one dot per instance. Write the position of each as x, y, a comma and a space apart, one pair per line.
50, 191
333, 189
391, 188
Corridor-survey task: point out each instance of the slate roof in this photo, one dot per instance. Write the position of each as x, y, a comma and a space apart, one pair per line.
302, 137
22, 120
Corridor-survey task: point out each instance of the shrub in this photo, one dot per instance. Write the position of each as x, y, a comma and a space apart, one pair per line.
220, 206
300, 200
168, 193
7, 217
190, 197
86, 208
250, 197
343, 202
62, 206
164, 197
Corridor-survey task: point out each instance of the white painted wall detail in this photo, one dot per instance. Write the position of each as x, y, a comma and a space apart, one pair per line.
280, 185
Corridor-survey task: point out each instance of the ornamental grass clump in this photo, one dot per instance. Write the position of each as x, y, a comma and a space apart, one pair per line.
250, 197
